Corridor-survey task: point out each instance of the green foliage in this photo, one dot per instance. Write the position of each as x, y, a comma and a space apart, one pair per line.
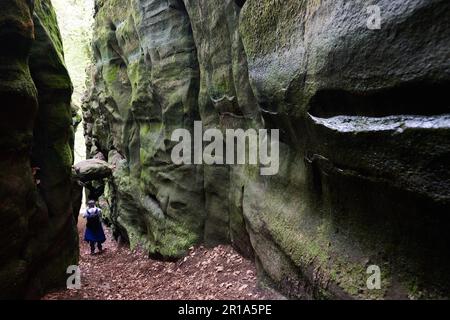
75, 19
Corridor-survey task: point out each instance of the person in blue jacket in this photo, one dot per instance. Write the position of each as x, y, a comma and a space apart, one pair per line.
94, 230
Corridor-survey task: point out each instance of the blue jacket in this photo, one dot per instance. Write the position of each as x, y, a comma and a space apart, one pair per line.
94, 228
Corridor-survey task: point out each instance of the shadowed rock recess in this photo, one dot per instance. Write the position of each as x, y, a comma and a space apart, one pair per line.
364, 125
38, 238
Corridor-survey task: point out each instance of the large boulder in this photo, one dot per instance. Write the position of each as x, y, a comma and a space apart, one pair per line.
92, 169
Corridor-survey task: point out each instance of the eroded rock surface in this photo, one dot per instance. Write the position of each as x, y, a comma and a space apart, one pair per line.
364, 176
38, 240
92, 169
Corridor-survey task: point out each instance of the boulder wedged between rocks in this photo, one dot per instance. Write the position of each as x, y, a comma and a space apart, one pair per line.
92, 169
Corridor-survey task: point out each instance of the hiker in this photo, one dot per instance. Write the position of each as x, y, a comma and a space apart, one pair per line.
35, 173
94, 231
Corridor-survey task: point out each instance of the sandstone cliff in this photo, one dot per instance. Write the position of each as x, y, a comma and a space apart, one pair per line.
365, 140
38, 240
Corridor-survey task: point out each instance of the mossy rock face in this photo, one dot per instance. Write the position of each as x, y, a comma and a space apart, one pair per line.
39, 238
145, 85
152, 75
364, 140
362, 179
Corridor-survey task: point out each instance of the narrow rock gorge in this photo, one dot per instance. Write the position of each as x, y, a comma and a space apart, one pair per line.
364, 120
363, 177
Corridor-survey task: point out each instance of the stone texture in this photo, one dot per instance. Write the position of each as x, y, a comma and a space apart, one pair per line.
145, 85
365, 190
365, 140
92, 169
38, 239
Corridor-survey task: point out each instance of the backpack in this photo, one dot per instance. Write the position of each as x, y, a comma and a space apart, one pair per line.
93, 222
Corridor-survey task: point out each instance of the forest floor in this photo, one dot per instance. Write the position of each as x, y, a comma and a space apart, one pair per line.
205, 273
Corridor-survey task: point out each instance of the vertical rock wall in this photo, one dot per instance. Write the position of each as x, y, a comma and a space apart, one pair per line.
38, 239
364, 131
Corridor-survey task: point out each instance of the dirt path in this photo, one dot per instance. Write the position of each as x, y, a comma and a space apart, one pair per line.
121, 274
